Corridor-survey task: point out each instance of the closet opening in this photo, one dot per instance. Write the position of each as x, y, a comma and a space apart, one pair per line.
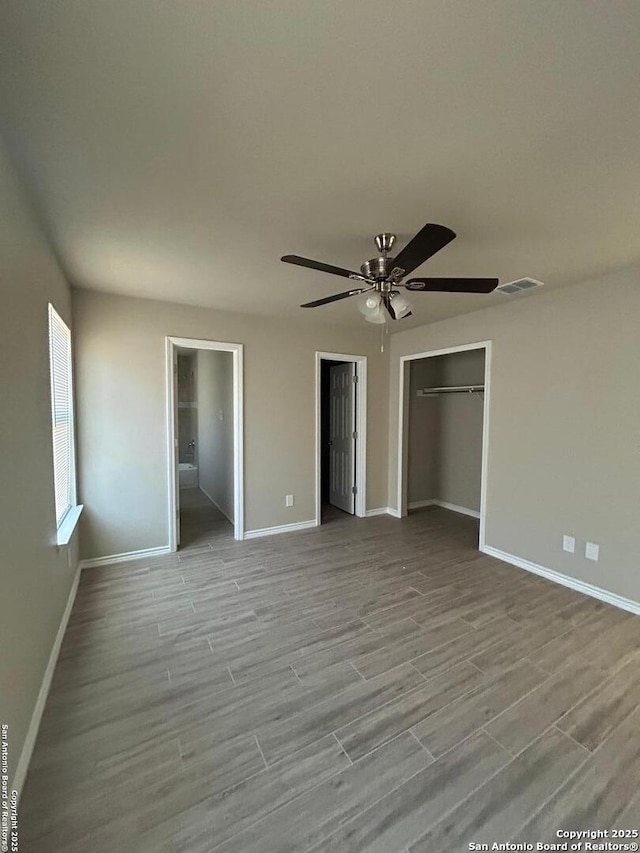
443, 435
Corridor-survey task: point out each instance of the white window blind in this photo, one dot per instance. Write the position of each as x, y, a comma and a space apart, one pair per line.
61, 415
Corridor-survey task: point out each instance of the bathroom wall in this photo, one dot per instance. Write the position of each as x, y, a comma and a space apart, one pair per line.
214, 383
187, 413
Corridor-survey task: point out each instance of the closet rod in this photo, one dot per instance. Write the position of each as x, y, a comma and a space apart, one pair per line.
449, 389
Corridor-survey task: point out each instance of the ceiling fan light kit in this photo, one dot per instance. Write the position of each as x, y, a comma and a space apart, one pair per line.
382, 276
400, 304
378, 317
370, 305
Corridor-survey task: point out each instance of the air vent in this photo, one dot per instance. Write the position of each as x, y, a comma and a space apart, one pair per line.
519, 285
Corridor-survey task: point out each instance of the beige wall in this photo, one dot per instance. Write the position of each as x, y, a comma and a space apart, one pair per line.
423, 419
460, 440
215, 427
564, 429
120, 365
35, 576
459, 449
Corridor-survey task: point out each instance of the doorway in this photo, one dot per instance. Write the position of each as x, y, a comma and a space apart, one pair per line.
204, 446
444, 430
341, 406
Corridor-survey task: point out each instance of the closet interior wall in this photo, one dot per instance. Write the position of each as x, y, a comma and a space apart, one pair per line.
445, 432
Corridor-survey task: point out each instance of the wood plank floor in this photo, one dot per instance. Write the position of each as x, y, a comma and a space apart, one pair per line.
201, 522
372, 685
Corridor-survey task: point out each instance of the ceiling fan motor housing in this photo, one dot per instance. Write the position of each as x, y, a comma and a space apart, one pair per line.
377, 269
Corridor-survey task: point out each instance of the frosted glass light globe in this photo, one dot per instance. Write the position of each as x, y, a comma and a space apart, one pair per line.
401, 305
377, 316
369, 303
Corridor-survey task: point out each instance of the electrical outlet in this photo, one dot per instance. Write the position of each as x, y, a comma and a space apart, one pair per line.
289, 500
569, 544
221, 415
592, 551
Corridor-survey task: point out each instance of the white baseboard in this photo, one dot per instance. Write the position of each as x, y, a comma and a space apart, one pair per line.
32, 732
565, 580
381, 510
125, 557
463, 510
216, 504
420, 504
283, 528
389, 510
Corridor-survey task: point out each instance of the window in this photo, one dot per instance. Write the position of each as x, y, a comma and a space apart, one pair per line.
64, 474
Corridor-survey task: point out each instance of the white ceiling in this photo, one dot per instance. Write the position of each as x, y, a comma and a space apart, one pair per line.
177, 149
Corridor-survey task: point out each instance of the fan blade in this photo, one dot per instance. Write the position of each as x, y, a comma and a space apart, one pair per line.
316, 265
334, 298
426, 243
453, 285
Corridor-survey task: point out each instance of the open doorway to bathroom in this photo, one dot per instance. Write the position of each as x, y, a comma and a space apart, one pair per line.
205, 457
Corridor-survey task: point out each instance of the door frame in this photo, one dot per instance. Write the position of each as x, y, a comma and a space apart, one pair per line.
360, 362
403, 444
171, 344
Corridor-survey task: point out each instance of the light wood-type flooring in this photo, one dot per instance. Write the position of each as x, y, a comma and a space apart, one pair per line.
370, 685
201, 522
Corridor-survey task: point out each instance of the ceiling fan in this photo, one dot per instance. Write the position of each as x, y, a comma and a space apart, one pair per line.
383, 275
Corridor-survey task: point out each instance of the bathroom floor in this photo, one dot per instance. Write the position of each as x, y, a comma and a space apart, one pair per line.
201, 522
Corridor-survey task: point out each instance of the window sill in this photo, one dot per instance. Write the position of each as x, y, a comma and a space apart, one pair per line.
66, 529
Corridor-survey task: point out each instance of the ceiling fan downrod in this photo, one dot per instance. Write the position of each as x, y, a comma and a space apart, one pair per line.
385, 242
377, 270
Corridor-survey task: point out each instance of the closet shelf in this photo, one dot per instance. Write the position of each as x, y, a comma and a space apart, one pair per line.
450, 389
